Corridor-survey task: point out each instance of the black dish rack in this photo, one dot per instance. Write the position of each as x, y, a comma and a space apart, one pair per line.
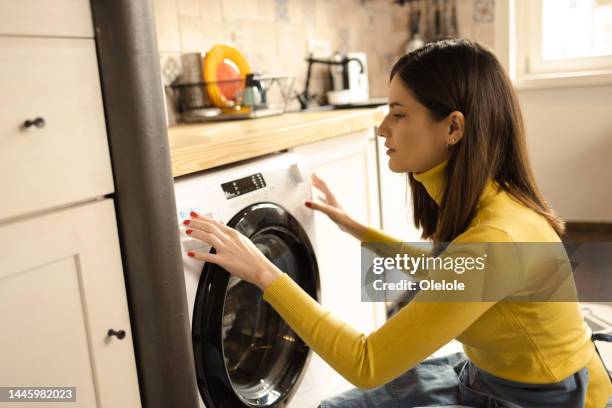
192, 100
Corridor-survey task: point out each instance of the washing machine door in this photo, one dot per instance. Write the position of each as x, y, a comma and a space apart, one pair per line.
245, 354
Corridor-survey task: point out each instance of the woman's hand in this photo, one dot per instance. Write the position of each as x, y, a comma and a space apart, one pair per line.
234, 252
330, 206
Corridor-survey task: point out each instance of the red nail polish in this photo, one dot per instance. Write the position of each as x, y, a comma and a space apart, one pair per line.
188, 232
193, 214
308, 204
186, 222
190, 254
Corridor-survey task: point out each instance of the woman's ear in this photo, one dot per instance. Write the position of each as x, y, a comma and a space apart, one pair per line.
456, 126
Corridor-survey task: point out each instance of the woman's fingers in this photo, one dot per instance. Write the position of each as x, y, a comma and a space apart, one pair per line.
322, 199
319, 183
204, 256
204, 225
206, 237
208, 225
321, 206
224, 234
322, 186
315, 178
210, 220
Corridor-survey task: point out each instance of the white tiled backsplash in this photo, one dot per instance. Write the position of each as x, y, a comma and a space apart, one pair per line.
273, 34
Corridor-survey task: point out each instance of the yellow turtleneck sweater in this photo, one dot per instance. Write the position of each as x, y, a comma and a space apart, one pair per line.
531, 342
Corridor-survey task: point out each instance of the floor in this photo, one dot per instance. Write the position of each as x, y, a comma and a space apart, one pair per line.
597, 315
588, 232
599, 318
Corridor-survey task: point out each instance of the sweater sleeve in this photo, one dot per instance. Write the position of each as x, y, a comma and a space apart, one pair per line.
383, 244
411, 335
373, 235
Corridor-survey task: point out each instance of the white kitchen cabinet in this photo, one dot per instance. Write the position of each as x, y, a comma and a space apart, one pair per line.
61, 290
396, 216
395, 200
67, 159
58, 18
348, 165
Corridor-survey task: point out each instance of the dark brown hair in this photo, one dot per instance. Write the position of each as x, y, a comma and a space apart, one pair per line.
463, 75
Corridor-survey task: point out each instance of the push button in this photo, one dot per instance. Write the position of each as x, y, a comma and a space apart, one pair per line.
184, 214
296, 174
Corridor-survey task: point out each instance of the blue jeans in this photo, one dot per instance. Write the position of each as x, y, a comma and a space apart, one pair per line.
453, 381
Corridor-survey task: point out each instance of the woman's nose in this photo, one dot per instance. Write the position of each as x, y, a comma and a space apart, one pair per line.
380, 132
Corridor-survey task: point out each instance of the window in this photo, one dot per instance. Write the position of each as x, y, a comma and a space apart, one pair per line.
576, 29
569, 35
560, 39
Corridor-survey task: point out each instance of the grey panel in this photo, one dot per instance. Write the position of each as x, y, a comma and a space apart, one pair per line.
144, 199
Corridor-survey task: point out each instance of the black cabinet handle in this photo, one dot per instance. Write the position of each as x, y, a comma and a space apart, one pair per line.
120, 334
38, 122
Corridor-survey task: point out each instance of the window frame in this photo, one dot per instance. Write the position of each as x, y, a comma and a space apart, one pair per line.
516, 45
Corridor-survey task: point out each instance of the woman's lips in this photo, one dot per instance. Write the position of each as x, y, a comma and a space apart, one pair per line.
389, 151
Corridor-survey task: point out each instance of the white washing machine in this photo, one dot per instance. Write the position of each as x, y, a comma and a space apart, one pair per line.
245, 355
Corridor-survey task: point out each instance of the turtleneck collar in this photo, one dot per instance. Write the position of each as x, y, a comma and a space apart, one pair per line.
433, 181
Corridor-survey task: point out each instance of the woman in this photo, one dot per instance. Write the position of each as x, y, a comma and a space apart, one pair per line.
455, 127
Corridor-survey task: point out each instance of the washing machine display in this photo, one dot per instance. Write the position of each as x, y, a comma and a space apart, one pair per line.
244, 185
245, 354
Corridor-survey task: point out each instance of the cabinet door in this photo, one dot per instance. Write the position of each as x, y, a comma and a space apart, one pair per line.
396, 214
395, 200
66, 160
59, 18
61, 290
347, 163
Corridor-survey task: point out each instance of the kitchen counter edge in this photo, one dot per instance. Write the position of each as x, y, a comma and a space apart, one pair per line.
196, 147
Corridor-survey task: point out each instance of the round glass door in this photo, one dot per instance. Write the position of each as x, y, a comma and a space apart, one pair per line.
263, 359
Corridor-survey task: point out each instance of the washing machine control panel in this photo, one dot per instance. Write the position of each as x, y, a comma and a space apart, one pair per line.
243, 185
187, 242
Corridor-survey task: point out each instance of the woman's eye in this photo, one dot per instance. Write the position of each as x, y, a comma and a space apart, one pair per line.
398, 115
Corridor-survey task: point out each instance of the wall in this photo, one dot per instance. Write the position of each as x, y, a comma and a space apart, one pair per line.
569, 137
570, 141
273, 34
569, 130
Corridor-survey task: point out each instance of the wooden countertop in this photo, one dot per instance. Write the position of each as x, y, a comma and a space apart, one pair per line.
196, 147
